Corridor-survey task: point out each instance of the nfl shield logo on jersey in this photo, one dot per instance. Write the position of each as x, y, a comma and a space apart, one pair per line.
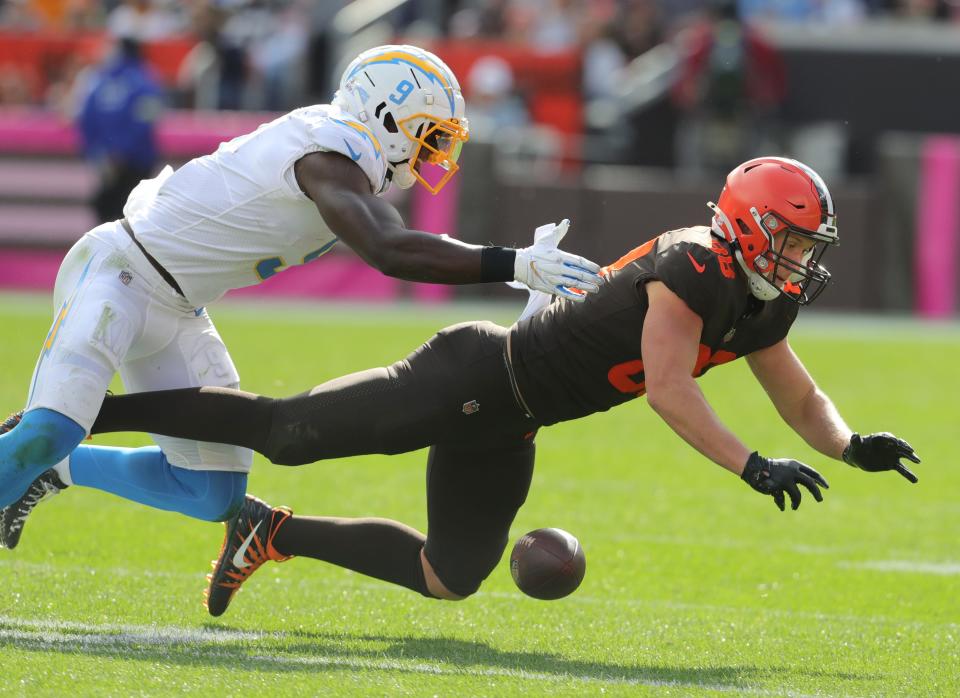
471, 407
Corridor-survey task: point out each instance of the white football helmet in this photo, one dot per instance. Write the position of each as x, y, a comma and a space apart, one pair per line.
411, 101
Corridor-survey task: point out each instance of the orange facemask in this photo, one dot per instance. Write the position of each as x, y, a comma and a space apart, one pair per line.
443, 141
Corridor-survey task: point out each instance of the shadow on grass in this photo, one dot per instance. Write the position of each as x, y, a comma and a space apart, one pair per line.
234, 649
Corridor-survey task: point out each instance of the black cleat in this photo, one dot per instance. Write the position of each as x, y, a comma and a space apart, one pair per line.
10, 422
14, 517
248, 544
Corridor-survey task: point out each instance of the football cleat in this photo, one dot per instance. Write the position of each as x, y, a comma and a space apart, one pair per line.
248, 544
14, 517
10, 422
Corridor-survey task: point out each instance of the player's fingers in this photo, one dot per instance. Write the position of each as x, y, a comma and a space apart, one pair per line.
810, 485
587, 285
579, 274
571, 294
904, 450
560, 272
779, 499
815, 476
794, 493
577, 262
906, 472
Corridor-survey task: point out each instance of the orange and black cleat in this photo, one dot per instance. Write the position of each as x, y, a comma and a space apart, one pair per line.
248, 544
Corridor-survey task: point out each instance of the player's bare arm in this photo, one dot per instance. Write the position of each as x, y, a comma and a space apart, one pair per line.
374, 230
801, 404
671, 333
671, 338
811, 413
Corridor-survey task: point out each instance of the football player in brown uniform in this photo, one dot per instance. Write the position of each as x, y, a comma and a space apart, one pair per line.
476, 393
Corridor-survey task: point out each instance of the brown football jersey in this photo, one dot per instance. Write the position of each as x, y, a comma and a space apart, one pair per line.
573, 359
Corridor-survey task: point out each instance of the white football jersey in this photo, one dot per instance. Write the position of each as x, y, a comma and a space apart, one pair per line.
238, 216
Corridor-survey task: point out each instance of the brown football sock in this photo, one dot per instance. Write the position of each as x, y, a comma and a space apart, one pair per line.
380, 548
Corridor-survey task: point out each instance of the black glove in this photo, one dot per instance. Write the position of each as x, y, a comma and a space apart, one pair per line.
878, 452
774, 476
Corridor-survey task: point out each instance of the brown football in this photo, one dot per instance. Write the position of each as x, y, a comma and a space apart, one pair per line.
547, 563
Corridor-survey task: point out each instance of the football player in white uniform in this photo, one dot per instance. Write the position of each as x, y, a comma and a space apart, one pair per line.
130, 295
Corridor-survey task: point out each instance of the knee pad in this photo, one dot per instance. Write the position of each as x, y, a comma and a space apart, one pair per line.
464, 572
462, 584
286, 444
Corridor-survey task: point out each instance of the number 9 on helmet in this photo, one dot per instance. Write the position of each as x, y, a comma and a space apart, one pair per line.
412, 103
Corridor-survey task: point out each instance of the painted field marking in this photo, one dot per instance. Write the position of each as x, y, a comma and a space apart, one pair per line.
132, 639
911, 566
357, 584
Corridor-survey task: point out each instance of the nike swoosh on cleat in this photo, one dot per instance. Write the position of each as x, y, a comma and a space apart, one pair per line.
353, 153
696, 265
238, 560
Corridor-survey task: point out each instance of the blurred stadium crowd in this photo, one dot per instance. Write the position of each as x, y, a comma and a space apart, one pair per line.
601, 109
274, 55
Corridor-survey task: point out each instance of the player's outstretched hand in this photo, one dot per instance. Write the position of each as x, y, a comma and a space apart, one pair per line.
781, 476
543, 267
878, 452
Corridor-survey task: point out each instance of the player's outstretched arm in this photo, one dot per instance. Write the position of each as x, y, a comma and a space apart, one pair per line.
671, 337
811, 413
375, 231
670, 342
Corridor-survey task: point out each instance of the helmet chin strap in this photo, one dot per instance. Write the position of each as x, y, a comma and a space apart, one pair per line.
401, 175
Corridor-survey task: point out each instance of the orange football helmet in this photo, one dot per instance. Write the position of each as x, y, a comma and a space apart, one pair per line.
769, 205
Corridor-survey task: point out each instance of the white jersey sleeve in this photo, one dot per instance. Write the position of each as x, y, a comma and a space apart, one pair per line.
238, 216
342, 133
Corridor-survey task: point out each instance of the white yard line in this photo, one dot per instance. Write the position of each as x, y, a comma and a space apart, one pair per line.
132, 639
359, 584
69, 632
911, 566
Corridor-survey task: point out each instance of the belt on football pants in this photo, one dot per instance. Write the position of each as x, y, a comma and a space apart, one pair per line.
167, 276
517, 395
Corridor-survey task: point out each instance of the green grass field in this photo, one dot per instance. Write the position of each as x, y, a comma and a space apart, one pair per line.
695, 584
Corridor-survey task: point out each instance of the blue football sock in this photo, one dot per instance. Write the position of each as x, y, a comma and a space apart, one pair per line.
41, 440
144, 475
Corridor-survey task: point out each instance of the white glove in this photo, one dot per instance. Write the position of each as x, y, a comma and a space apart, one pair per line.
543, 267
